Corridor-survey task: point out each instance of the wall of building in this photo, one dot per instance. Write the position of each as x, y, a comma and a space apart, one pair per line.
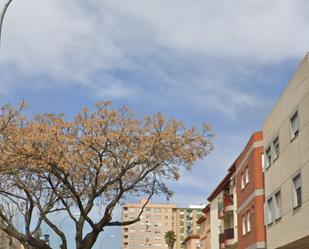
155, 221
7, 242
185, 223
204, 231
192, 242
215, 222
250, 197
293, 158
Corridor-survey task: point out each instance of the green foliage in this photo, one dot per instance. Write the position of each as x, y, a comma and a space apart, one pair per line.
170, 239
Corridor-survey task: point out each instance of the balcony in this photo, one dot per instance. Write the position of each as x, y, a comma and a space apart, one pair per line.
225, 206
221, 241
226, 239
229, 236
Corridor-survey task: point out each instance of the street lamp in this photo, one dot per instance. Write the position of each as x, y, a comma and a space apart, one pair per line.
107, 236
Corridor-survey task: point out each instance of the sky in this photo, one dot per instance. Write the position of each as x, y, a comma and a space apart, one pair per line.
222, 62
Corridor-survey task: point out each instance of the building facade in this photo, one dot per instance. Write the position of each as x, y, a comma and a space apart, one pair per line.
204, 231
7, 242
223, 214
286, 143
192, 242
156, 220
185, 223
149, 233
250, 194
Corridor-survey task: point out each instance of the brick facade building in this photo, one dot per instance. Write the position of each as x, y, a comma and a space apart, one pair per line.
250, 194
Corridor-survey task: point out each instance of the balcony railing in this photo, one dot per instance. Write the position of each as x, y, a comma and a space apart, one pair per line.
228, 234
221, 238
226, 237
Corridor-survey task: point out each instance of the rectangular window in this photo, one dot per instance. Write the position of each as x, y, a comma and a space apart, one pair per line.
270, 210
297, 195
248, 222
278, 206
242, 181
268, 157
247, 175
276, 147
294, 125
244, 225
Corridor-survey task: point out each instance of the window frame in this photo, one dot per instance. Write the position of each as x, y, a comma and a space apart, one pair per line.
248, 221
278, 206
243, 184
294, 133
244, 225
276, 144
296, 202
269, 211
247, 175
268, 156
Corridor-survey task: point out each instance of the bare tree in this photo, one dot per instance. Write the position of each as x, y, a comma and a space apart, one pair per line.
50, 166
2, 14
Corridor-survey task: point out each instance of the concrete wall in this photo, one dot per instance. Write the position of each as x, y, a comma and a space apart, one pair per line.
293, 158
215, 222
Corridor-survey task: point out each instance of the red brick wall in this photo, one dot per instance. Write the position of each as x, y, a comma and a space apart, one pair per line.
256, 178
256, 181
257, 233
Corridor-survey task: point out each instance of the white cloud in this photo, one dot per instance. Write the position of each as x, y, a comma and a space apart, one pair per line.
116, 91
72, 41
259, 30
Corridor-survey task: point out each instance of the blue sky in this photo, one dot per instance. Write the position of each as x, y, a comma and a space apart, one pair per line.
222, 62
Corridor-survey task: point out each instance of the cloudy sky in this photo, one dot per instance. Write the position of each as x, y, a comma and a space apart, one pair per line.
223, 62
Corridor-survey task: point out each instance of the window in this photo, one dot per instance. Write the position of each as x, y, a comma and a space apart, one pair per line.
243, 225
247, 175
242, 181
297, 197
248, 222
268, 157
276, 147
278, 206
294, 125
270, 210
263, 162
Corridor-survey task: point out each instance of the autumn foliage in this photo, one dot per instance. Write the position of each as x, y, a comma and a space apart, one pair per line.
50, 165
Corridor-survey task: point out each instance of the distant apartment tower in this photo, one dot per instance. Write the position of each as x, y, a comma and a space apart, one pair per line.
155, 221
223, 214
149, 233
286, 143
204, 231
250, 194
185, 223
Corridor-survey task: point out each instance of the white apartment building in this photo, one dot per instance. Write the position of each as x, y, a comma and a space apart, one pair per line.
286, 144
